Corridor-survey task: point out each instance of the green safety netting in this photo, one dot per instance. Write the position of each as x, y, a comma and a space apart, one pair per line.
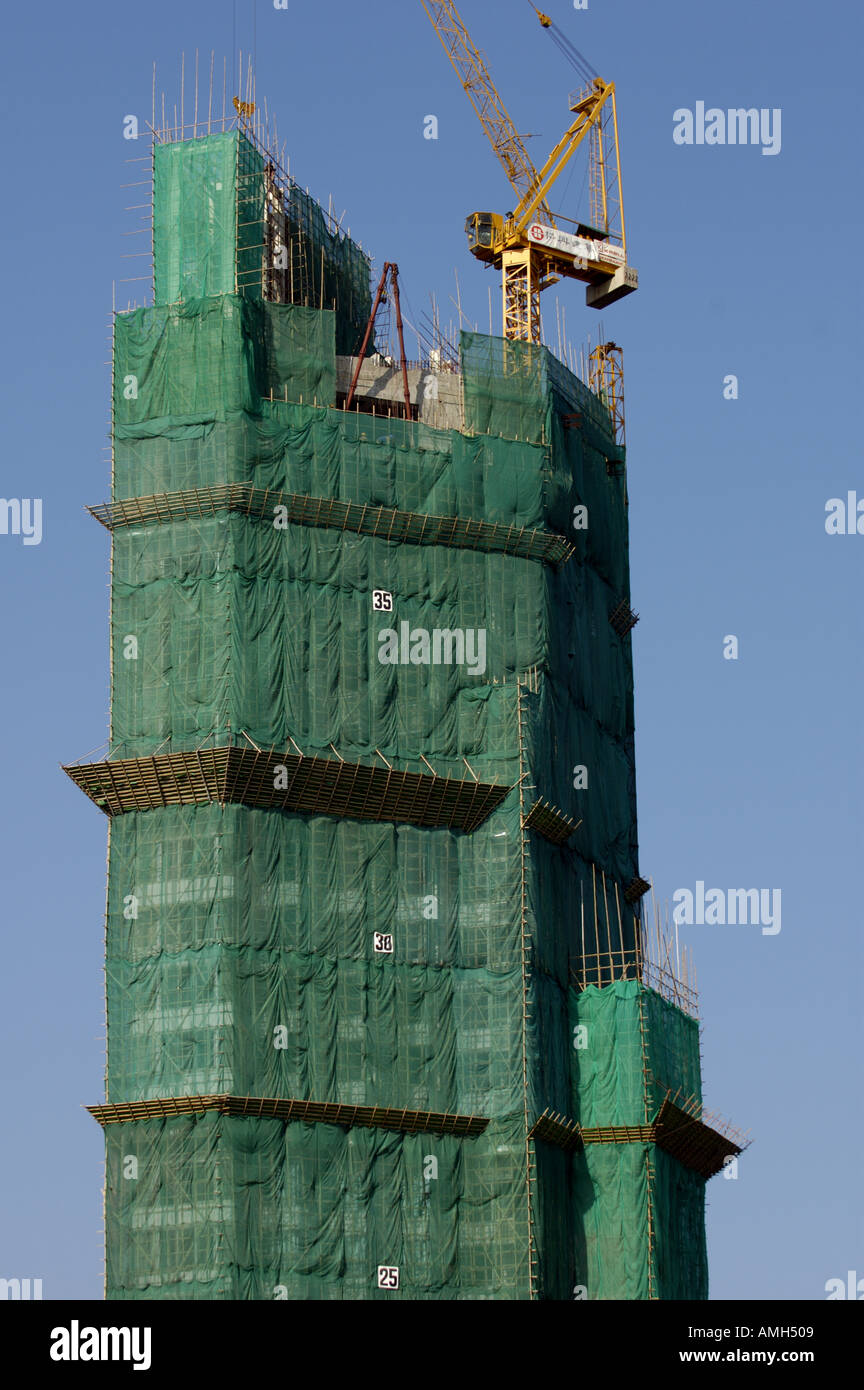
680, 1248
230, 927
611, 1197
180, 368
209, 235
244, 626
515, 389
608, 1072
636, 1048
229, 1208
195, 217
227, 923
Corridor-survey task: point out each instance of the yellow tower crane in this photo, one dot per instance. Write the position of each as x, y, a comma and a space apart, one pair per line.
527, 245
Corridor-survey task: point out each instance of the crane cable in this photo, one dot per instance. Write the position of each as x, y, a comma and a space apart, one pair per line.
576, 59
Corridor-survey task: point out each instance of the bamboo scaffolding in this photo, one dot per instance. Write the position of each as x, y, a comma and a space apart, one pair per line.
314, 785
651, 958
384, 522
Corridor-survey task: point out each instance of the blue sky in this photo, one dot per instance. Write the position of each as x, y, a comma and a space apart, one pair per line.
748, 771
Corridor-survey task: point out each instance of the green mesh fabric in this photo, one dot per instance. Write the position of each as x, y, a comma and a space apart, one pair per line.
251, 195
209, 235
244, 626
615, 1083
225, 925
195, 215
181, 368
514, 388
240, 945
228, 1208
611, 1200
238, 627
608, 1086
333, 270
672, 1048
678, 1208
505, 387
247, 920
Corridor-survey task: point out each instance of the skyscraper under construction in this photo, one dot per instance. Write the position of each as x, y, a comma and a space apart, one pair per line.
383, 1017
